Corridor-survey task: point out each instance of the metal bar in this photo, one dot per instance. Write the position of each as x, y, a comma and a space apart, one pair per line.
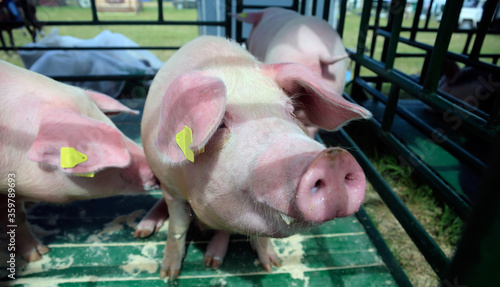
427, 246
451, 55
239, 24
102, 77
474, 123
341, 23
138, 22
416, 19
376, 27
397, 20
160, 10
363, 27
93, 7
229, 19
94, 48
376, 238
326, 10
428, 16
467, 43
489, 10
454, 149
443, 37
434, 30
475, 261
303, 7
390, 108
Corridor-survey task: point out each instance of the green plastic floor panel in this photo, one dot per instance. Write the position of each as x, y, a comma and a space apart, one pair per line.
92, 244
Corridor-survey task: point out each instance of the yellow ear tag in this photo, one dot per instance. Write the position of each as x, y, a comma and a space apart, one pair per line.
70, 158
88, 174
183, 139
243, 15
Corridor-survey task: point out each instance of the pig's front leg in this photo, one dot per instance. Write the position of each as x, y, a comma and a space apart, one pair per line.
267, 257
26, 243
176, 239
153, 221
217, 248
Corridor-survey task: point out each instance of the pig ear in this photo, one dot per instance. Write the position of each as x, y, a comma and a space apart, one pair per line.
323, 107
193, 100
108, 105
249, 17
451, 70
101, 144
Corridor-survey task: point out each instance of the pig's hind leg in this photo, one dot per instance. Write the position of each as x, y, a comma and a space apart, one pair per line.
216, 249
25, 242
267, 257
153, 221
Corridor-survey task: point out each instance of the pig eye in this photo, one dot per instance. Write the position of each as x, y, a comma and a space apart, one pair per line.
222, 126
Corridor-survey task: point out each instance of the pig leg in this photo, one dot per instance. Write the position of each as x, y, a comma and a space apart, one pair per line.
217, 248
153, 221
176, 239
26, 243
267, 257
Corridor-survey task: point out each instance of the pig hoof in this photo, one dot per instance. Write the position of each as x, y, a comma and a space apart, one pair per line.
213, 262
143, 232
153, 221
265, 251
42, 249
32, 256
216, 249
172, 274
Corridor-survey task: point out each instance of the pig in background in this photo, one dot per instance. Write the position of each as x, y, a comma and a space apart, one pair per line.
253, 169
38, 118
280, 35
473, 86
480, 90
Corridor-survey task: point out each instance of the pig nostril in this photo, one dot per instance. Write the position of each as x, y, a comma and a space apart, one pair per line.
349, 177
316, 186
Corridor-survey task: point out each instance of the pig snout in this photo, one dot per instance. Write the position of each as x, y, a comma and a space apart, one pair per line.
333, 186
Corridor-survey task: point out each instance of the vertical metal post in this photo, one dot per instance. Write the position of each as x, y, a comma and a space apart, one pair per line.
489, 10
229, 20
93, 7
428, 17
375, 28
326, 10
343, 11
397, 21
390, 108
160, 10
239, 25
416, 19
363, 27
443, 37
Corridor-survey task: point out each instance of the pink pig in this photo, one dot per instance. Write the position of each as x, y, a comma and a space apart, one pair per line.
39, 117
279, 35
255, 170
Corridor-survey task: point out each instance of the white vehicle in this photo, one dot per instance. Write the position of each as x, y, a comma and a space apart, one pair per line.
471, 14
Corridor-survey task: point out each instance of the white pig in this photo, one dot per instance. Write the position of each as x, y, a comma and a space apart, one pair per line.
280, 35
57, 145
252, 169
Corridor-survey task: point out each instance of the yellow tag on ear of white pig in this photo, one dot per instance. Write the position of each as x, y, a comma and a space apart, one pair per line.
243, 14
184, 138
70, 157
88, 174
